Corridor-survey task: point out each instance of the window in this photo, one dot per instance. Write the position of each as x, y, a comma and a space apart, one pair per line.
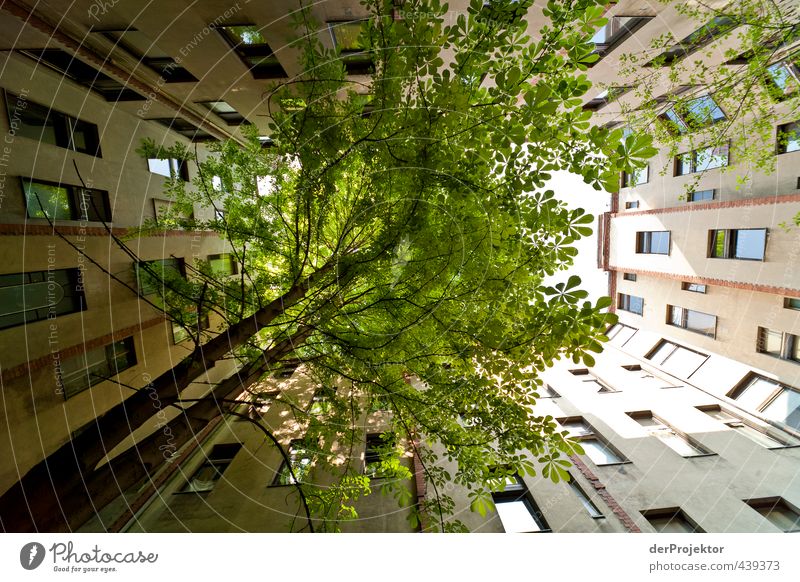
185, 128
145, 51
549, 392
251, 46
704, 35
169, 168
746, 244
694, 287
635, 178
630, 303
38, 295
700, 195
608, 96
620, 333
153, 276
59, 202
777, 512
632, 367
301, 459
755, 434
579, 371
696, 321
788, 137
792, 303
775, 401
378, 447
70, 67
783, 78
515, 507
599, 386
47, 125
180, 330
678, 442
321, 401
676, 359
702, 159
693, 114
631, 205
207, 475
593, 445
347, 38
616, 30
587, 503
672, 520
93, 366
222, 265
653, 242
225, 111
782, 345
629, 276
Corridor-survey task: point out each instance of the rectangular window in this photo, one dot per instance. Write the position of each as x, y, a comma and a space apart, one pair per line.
608, 96
792, 303
788, 138
620, 333
696, 321
145, 51
702, 159
616, 30
756, 434
321, 401
96, 365
694, 287
782, 345
183, 127
700, 195
301, 459
225, 111
676, 360
653, 242
593, 445
692, 114
181, 331
587, 503
630, 303
68, 66
378, 446
778, 512
252, 48
33, 296
549, 392
637, 177
517, 510
678, 442
599, 386
169, 168
747, 244
222, 265
672, 520
632, 205
47, 125
355, 54
206, 476
775, 401
59, 202
717, 27
157, 276
629, 276
783, 78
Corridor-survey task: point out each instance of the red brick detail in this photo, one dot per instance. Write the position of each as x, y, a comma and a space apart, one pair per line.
603, 493
23, 229
419, 483
24, 369
148, 91
771, 289
692, 207
158, 482
612, 290
614, 202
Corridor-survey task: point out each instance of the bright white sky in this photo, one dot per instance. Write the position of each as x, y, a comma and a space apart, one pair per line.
571, 189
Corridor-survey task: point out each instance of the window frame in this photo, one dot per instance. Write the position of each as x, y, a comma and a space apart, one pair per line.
770, 503
684, 320
782, 143
74, 195
661, 429
737, 419
355, 61
694, 287
248, 53
626, 302
618, 35
693, 42
519, 493
729, 244
671, 513
219, 458
75, 295
629, 277
110, 360
644, 242
694, 159
779, 389
589, 434
789, 345
691, 196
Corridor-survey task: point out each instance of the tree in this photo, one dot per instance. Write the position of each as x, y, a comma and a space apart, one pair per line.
397, 235
725, 85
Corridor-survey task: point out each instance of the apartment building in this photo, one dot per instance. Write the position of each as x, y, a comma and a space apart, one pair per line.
690, 419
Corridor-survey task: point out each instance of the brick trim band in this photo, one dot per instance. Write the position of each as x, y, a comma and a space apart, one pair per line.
609, 500
771, 289
74, 350
691, 207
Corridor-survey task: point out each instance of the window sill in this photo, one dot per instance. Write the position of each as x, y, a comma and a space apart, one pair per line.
780, 448
702, 456
614, 464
